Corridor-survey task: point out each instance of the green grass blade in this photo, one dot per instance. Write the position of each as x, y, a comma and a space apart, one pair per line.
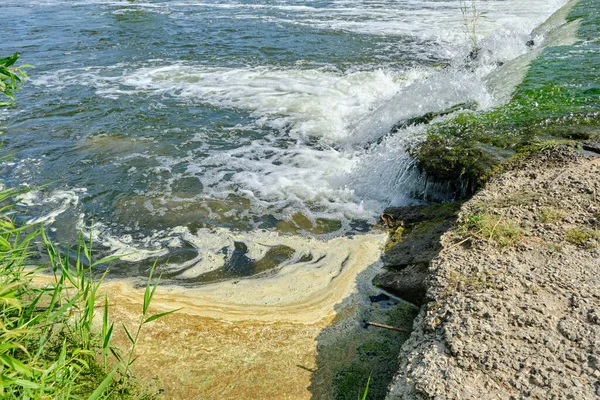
364, 396
128, 334
157, 316
108, 259
28, 384
15, 365
103, 385
107, 336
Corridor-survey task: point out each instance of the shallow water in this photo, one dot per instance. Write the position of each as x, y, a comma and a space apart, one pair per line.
179, 126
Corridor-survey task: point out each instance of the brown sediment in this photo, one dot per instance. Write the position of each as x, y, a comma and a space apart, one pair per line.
254, 338
195, 357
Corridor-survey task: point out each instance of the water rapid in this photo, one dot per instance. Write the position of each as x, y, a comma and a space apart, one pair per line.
228, 137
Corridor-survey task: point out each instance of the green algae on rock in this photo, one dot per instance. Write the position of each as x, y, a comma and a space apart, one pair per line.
558, 99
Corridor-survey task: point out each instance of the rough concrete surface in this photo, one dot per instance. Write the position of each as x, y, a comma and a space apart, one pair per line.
518, 320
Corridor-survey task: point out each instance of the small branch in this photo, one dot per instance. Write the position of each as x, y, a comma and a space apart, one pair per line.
391, 328
494, 228
473, 236
458, 244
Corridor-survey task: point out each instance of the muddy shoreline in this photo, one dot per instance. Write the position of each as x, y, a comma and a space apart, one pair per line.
509, 284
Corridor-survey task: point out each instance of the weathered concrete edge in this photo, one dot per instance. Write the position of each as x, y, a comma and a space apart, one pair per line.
428, 344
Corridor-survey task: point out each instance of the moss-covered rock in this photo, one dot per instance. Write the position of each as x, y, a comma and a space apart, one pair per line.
558, 99
414, 241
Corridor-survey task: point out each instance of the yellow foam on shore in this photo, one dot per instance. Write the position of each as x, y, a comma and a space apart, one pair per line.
247, 339
302, 292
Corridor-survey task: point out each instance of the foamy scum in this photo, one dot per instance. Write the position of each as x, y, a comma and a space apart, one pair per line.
300, 291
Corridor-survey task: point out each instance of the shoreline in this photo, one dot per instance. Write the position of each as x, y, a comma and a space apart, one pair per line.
497, 278
514, 316
234, 339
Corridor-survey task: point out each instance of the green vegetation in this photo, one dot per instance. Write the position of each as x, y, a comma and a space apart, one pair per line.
369, 359
557, 101
471, 15
366, 392
11, 77
459, 282
127, 360
49, 345
491, 227
582, 237
554, 248
550, 214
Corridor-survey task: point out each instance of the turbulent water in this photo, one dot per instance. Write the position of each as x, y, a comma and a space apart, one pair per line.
222, 135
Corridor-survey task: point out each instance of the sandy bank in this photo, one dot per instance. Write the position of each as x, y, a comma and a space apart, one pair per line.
247, 339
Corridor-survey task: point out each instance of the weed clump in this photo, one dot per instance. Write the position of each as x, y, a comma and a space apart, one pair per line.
460, 282
493, 228
582, 237
48, 347
550, 215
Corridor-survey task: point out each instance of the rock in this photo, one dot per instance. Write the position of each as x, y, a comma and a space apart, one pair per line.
592, 145
422, 226
504, 322
394, 216
408, 284
381, 297
416, 249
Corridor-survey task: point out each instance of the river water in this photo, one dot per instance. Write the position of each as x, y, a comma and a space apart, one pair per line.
235, 138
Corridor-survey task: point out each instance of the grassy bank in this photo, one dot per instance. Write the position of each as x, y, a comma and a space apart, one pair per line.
558, 100
53, 345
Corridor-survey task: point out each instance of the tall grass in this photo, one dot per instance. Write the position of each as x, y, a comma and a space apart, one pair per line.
129, 358
48, 345
471, 17
366, 391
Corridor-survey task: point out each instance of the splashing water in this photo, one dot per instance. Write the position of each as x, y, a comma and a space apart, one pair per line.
166, 122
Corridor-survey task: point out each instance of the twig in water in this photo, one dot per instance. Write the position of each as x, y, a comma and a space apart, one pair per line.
391, 328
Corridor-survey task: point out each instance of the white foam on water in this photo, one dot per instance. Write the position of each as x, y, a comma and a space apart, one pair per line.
286, 171
305, 104
465, 81
387, 173
440, 91
429, 20
426, 19
326, 150
313, 102
282, 181
58, 201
